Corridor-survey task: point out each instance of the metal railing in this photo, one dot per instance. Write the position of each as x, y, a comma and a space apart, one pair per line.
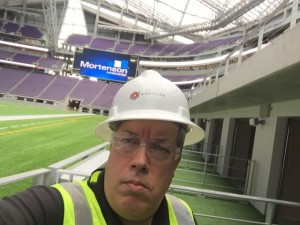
48, 176
208, 165
270, 209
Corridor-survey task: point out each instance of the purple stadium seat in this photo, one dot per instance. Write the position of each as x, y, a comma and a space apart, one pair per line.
185, 49
30, 31
122, 47
32, 85
5, 54
154, 49
170, 49
11, 27
213, 44
87, 90
10, 77
103, 44
24, 58
104, 100
47, 62
59, 88
137, 49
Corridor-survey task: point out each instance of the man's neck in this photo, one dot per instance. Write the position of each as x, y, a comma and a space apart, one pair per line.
128, 222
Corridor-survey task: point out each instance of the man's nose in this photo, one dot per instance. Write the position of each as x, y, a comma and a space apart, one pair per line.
140, 158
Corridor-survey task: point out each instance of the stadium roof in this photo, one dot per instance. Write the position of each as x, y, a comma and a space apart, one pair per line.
197, 16
193, 19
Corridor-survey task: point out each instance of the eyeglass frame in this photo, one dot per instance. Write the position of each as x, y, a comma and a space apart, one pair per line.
176, 151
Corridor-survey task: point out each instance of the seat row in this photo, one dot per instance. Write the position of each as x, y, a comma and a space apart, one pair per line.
25, 30
144, 49
47, 87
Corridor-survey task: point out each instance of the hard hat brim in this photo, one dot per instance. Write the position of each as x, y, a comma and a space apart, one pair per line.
194, 135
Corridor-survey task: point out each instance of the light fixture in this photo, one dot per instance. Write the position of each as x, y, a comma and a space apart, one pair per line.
256, 121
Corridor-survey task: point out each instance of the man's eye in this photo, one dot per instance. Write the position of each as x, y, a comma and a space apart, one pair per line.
128, 140
160, 149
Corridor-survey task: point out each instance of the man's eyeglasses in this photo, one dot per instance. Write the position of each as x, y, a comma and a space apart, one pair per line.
160, 151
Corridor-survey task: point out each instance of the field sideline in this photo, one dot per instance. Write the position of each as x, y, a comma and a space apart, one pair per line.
40, 137
28, 117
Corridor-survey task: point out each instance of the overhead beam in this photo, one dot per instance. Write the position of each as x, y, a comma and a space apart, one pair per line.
20, 11
222, 21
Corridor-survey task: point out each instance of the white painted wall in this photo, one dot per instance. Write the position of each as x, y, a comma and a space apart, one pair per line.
281, 53
268, 143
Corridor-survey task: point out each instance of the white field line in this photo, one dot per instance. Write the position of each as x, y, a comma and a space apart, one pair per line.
28, 117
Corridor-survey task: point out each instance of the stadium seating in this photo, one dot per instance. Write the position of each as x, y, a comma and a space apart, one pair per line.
78, 40
58, 89
25, 58
32, 85
170, 49
87, 90
102, 44
5, 55
185, 49
10, 77
104, 100
154, 49
122, 47
144, 49
11, 27
49, 62
137, 49
42, 62
30, 31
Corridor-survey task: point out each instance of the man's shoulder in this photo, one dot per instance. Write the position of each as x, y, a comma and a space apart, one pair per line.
37, 203
37, 192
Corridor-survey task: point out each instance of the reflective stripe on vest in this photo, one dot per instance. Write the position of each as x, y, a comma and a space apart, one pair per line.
179, 212
81, 206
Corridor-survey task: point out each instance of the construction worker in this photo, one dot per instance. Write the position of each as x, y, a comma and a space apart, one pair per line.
148, 125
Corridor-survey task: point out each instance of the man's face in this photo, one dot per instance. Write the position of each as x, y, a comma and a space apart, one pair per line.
135, 183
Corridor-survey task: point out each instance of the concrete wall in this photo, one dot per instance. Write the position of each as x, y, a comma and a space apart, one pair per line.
281, 53
268, 146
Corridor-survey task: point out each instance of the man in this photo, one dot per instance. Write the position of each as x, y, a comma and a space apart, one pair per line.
148, 125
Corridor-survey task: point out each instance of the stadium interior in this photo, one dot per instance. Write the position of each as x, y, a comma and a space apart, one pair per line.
237, 62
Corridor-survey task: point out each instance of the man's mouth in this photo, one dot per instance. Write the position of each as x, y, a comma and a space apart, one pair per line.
136, 186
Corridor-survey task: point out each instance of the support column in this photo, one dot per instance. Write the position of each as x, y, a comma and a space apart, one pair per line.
49, 7
226, 143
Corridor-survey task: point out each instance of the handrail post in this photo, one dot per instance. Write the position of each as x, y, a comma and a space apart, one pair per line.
38, 180
52, 177
249, 177
270, 213
204, 172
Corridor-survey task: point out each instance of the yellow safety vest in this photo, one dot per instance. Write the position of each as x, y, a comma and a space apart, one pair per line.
82, 208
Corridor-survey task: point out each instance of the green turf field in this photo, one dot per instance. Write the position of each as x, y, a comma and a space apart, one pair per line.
37, 143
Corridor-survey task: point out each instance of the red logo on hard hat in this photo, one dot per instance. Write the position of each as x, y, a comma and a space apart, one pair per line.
134, 95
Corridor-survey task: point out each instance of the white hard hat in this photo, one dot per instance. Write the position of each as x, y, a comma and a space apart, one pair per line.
150, 97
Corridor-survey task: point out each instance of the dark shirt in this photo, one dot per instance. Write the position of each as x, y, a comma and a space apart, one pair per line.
44, 205
39, 205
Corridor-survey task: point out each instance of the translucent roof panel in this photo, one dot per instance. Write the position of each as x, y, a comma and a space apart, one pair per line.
198, 16
186, 18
